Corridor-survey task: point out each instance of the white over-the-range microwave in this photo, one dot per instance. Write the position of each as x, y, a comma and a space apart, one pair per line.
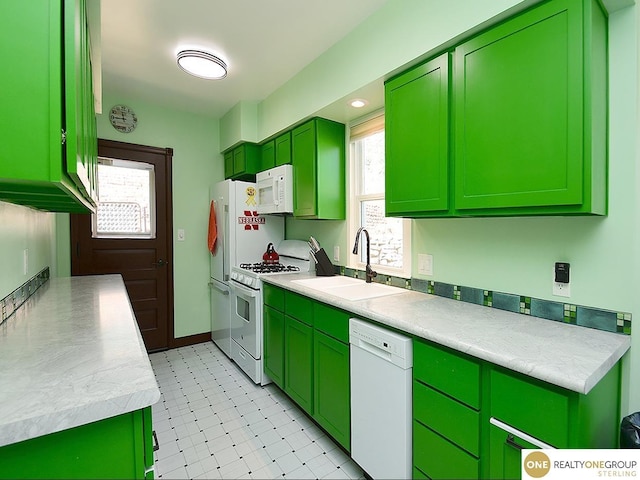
275, 190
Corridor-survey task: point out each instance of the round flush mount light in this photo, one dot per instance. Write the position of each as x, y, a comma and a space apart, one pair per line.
358, 103
202, 64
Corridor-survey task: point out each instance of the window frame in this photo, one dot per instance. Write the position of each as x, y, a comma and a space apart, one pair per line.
359, 128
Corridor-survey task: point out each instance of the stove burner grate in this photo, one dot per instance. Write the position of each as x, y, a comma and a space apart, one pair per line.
262, 267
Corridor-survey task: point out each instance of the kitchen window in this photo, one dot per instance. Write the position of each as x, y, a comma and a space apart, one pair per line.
126, 200
390, 237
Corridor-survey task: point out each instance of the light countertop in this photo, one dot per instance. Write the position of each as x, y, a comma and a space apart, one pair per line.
72, 355
566, 355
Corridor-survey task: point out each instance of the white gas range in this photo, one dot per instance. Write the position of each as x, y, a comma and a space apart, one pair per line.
247, 304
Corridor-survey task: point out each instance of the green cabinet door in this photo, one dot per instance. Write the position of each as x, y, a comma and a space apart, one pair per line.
530, 113
283, 149
243, 162
36, 169
505, 454
298, 369
117, 447
332, 387
228, 164
274, 345
318, 158
417, 140
268, 155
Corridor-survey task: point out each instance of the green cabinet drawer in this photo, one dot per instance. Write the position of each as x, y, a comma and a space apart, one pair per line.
273, 296
452, 373
299, 307
451, 419
439, 458
537, 409
331, 321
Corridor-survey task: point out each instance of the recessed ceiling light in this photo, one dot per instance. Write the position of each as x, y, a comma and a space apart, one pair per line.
202, 64
358, 103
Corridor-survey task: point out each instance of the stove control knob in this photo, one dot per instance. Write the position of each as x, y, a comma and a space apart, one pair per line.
254, 283
234, 275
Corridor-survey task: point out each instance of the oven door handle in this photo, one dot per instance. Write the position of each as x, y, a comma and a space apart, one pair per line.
238, 288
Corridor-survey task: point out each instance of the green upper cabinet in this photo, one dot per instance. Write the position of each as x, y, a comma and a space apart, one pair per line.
531, 112
517, 127
49, 147
276, 152
243, 162
417, 140
283, 149
318, 157
268, 155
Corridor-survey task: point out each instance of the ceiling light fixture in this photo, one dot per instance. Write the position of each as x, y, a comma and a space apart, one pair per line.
202, 64
358, 103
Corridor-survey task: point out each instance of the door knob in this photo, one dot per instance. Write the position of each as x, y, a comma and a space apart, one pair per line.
160, 263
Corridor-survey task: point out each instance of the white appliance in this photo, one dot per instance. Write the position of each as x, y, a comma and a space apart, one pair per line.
381, 369
275, 190
242, 236
247, 304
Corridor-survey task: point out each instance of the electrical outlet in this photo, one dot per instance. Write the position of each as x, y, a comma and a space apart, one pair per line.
561, 289
336, 253
181, 234
425, 264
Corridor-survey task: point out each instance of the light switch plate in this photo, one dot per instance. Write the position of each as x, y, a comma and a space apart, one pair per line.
181, 234
425, 264
336, 253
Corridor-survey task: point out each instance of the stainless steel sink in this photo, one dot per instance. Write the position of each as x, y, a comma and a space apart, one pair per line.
349, 288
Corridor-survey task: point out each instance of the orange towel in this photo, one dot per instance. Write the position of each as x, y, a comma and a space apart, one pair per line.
213, 229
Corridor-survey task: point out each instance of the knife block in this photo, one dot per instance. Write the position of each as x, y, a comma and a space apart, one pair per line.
324, 267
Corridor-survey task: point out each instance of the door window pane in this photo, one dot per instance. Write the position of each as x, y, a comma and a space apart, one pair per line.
126, 199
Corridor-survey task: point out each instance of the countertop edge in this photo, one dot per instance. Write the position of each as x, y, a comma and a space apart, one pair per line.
582, 381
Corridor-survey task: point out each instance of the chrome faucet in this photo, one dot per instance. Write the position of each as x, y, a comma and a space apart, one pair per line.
370, 273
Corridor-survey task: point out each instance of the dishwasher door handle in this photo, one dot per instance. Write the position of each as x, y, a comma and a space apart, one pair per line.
514, 432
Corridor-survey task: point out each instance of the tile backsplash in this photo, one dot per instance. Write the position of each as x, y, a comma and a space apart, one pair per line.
13, 301
607, 320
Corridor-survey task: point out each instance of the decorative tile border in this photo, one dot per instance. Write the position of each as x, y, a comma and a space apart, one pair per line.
607, 320
13, 301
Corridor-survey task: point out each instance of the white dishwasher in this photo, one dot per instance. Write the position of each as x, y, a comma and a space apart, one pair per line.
381, 399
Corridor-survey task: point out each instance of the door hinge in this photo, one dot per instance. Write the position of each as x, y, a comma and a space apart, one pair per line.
64, 137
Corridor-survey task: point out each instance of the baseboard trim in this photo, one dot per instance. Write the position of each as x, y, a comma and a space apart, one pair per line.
191, 340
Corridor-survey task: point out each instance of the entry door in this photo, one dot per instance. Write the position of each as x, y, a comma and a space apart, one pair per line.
132, 236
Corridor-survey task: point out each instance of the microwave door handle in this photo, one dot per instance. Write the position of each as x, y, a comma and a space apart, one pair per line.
276, 191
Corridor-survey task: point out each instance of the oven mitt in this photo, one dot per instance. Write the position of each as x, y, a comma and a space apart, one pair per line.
213, 229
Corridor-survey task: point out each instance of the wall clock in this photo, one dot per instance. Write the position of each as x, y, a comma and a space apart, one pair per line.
123, 118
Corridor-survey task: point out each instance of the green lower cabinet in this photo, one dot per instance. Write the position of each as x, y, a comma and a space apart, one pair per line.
332, 387
117, 447
298, 358
504, 451
274, 345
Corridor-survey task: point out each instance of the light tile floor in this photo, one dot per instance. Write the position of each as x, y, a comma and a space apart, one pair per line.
213, 422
